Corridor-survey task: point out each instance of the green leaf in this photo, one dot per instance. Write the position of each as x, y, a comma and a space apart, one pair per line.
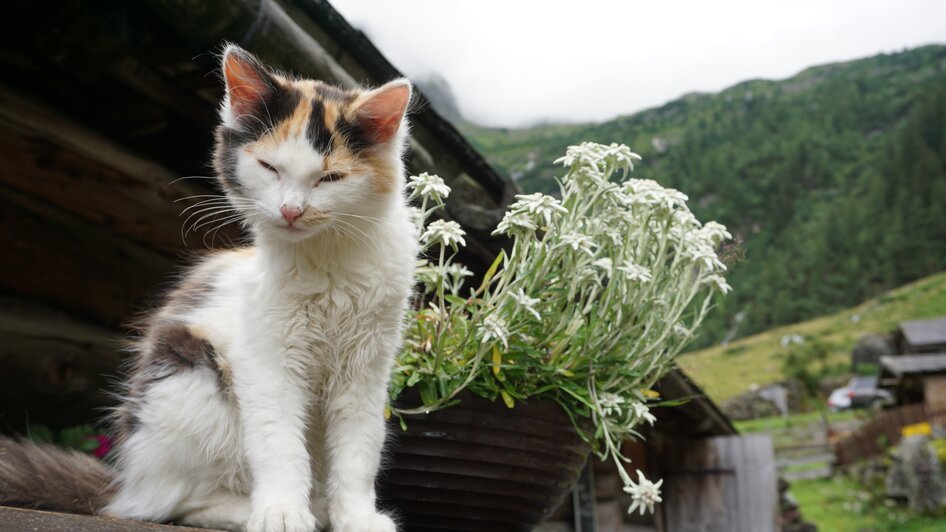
488, 276
454, 300
510, 402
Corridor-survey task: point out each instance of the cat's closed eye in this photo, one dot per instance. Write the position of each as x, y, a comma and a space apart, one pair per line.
331, 176
268, 166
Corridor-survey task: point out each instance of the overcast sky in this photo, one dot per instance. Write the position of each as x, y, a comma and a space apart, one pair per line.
516, 62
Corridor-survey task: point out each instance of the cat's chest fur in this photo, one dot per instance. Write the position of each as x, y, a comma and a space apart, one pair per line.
325, 317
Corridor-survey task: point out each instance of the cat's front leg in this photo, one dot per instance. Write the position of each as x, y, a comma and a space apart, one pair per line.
273, 398
354, 438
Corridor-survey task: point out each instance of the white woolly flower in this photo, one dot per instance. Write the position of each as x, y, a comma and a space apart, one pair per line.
621, 157
430, 275
428, 186
644, 494
649, 192
610, 404
719, 283
448, 233
603, 264
578, 242
540, 206
526, 303
640, 412
715, 232
494, 327
585, 154
515, 224
636, 272
698, 250
457, 271
417, 215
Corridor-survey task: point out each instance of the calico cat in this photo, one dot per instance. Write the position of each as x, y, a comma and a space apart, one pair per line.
256, 394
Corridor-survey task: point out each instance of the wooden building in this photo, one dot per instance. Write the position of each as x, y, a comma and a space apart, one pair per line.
916, 379
107, 109
921, 336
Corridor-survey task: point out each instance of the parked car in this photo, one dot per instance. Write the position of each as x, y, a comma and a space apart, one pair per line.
860, 392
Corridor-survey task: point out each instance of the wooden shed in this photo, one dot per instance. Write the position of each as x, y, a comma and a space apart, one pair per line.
916, 379
921, 336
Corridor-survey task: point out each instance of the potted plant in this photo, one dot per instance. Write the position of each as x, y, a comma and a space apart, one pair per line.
504, 386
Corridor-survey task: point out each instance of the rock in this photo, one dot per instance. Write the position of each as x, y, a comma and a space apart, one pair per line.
870, 348
916, 474
771, 400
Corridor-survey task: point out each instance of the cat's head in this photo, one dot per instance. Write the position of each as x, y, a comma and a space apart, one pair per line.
298, 156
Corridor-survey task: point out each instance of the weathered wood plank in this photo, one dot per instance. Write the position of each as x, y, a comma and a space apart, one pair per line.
18, 519
72, 264
725, 483
57, 161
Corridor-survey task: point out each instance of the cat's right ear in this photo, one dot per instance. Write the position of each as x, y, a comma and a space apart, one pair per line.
249, 84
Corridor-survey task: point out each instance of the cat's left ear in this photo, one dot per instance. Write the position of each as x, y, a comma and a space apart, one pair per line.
380, 111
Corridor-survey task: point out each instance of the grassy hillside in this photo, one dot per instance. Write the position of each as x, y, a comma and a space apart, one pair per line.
833, 181
727, 371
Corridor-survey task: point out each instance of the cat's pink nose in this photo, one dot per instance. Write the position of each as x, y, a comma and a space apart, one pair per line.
290, 214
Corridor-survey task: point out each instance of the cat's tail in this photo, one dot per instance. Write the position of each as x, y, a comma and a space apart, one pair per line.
46, 477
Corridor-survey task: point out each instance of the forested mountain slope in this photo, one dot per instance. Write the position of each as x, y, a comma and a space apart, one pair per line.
833, 181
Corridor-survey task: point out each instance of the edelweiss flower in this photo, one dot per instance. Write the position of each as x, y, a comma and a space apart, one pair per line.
715, 232
515, 224
457, 271
430, 275
642, 413
636, 272
644, 494
698, 250
610, 403
494, 328
603, 264
621, 157
428, 186
719, 283
586, 153
444, 232
526, 303
417, 216
540, 206
578, 242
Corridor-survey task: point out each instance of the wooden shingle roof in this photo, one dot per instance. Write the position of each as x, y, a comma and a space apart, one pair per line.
901, 365
924, 332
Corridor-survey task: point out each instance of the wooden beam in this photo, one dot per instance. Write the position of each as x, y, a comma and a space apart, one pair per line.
48, 157
21, 520
55, 365
71, 263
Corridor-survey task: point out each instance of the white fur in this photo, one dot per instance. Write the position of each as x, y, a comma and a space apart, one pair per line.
308, 326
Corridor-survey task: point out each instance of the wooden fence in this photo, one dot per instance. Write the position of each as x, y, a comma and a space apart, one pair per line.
883, 431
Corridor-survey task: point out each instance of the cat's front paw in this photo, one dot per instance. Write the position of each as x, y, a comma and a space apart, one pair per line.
280, 517
371, 522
